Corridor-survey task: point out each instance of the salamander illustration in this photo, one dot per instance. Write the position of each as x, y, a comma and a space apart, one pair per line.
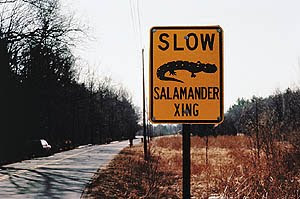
184, 65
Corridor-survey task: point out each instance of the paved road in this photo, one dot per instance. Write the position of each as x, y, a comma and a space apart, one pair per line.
63, 175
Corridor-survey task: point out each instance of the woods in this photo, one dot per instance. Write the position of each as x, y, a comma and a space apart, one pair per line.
42, 96
277, 115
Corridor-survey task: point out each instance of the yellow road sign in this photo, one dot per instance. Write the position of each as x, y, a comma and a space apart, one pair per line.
186, 74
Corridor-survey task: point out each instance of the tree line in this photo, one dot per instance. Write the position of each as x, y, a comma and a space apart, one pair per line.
42, 96
268, 120
278, 113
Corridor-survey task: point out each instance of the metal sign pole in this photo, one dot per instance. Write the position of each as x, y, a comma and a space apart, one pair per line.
186, 160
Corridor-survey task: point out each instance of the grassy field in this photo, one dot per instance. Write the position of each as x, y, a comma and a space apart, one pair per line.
231, 169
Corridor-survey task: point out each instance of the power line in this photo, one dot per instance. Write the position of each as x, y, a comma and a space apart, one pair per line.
132, 17
136, 22
139, 22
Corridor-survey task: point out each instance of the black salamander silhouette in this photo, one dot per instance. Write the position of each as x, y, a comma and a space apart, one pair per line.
184, 65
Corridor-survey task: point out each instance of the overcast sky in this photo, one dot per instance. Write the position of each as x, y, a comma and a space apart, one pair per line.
261, 40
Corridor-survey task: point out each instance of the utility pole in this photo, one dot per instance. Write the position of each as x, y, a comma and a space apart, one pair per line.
144, 111
257, 132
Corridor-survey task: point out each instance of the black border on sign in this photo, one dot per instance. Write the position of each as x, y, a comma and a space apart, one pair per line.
217, 121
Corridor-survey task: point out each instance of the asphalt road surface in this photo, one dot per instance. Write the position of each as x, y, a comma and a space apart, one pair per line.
62, 175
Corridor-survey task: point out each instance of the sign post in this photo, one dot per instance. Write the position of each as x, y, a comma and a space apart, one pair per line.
186, 160
186, 81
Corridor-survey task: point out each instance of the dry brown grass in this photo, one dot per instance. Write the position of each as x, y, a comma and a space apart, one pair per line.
129, 176
232, 171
